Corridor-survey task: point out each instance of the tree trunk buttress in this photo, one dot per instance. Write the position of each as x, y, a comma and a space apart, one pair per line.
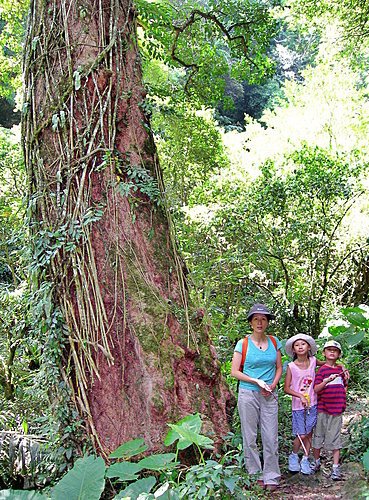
104, 238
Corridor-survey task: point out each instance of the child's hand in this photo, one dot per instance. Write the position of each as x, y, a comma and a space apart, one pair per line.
346, 375
330, 378
304, 401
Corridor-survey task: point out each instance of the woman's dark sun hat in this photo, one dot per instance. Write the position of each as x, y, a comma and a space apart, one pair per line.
260, 309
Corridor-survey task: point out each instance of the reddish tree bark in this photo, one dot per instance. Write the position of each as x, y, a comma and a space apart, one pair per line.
105, 240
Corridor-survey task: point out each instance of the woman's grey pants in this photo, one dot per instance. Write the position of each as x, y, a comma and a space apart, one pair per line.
256, 410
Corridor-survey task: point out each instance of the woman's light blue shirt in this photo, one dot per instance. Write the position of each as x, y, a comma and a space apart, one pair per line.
259, 364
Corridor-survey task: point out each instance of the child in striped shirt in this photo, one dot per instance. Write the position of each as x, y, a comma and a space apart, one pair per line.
330, 385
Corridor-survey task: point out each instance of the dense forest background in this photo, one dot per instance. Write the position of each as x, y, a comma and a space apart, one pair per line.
265, 165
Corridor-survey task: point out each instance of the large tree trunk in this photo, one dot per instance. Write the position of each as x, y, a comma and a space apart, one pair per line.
104, 239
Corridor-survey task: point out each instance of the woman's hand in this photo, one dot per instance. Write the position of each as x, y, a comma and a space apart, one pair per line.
263, 385
266, 390
266, 393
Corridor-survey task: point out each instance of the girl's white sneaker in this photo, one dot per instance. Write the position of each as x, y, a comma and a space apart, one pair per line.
293, 463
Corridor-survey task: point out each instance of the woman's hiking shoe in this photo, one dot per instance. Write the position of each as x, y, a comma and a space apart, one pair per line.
271, 487
305, 466
336, 474
293, 463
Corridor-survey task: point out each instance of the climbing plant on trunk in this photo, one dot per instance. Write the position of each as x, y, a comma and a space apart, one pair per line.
130, 348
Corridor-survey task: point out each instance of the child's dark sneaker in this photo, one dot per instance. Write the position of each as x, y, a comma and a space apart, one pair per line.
336, 473
315, 466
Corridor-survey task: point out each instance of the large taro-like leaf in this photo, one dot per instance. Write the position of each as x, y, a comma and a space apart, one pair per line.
165, 493
355, 316
129, 449
157, 462
355, 339
84, 482
124, 471
21, 495
135, 489
190, 422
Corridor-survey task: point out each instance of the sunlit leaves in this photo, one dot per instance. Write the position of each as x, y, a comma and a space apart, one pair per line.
12, 27
190, 150
207, 40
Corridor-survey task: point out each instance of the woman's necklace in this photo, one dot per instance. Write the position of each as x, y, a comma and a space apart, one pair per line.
259, 343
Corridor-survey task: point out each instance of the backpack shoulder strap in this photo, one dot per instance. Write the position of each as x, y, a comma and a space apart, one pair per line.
274, 341
245, 345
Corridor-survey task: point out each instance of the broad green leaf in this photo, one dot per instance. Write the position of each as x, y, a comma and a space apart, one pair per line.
355, 339
348, 310
183, 444
192, 422
355, 316
336, 330
366, 460
84, 482
125, 471
186, 434
135, 489
356, 319
165, 493
230, 483
157, 462
129, 449
21, 495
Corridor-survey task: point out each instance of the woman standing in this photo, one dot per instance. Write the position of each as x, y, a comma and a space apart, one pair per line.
257, 399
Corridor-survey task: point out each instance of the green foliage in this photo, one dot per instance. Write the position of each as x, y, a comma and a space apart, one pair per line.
222, 478
21, 495
210, 479
190, 150
87, 477
352, 15
12, 27
366, 460
138, 180
281, 237
187, 432
358, 444
138, 489
208, 42
84, 481
12, 191
129, 449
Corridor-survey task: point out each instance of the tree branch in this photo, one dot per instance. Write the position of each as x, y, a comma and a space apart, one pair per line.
192, 19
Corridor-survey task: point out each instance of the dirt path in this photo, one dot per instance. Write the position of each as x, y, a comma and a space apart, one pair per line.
320, 486
353, 486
